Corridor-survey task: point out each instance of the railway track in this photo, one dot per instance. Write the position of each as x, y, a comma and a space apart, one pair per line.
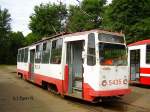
112, 105
136, 106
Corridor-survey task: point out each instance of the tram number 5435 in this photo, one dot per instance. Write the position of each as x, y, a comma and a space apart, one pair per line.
114, 82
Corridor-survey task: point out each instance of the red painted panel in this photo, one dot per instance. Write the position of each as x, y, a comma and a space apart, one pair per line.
140, 43
145, 70
90, 94
38, 79
145, 80
66, 79
25, 74
86, 91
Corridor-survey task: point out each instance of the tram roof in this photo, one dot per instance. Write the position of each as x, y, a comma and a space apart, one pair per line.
66, 34
142, 42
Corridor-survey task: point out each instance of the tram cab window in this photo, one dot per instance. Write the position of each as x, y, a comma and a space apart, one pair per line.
56, 51
112, 54
46, 52
38, 53
148, 54
91, 58
110, 38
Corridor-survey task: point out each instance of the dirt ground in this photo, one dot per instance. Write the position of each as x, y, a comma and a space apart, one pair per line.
18, 95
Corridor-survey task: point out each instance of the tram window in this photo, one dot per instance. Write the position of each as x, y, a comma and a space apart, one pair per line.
38, 53
26, 55
133, 56
22, 55
46, 52
112, 54
44, 46
19, 56
56, 51
91, 58
110, 38
148, 54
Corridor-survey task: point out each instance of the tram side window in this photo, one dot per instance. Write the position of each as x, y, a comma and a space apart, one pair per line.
19, 56
38, 54
26, 55
22, 55
91, 58
46, 52
148, 54
56, 51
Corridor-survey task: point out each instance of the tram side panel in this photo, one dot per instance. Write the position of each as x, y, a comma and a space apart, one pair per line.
22, 63
50, 73
139, 68
22, 70
145, 67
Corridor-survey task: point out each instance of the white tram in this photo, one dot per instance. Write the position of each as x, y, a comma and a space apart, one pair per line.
89, 65
139, 60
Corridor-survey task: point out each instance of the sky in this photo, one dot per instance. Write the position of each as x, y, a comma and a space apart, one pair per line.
21, 10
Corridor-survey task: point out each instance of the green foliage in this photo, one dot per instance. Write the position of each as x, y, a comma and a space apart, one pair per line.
10, 47
4, 22
4, 34
31, 38
141, 29
4, 26
76, 20
9, 41
129, 16
16, 41
86, 16
47, 19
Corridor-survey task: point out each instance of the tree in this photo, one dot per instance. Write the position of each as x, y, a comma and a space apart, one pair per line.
129, 16
86, 16
16, 41
31, 38
9, 41
4, 25
76, 21
47, 19
4, 22
4, 34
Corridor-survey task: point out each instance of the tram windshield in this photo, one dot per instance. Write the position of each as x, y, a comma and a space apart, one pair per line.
110, 38
112, 54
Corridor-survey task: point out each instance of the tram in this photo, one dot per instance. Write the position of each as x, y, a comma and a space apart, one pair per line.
139, 62
89, 65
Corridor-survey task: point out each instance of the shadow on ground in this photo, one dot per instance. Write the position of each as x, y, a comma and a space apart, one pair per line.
140, 85
109, 104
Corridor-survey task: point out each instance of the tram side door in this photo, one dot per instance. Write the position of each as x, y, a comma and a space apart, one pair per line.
31, 65
75, 67
135, 64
